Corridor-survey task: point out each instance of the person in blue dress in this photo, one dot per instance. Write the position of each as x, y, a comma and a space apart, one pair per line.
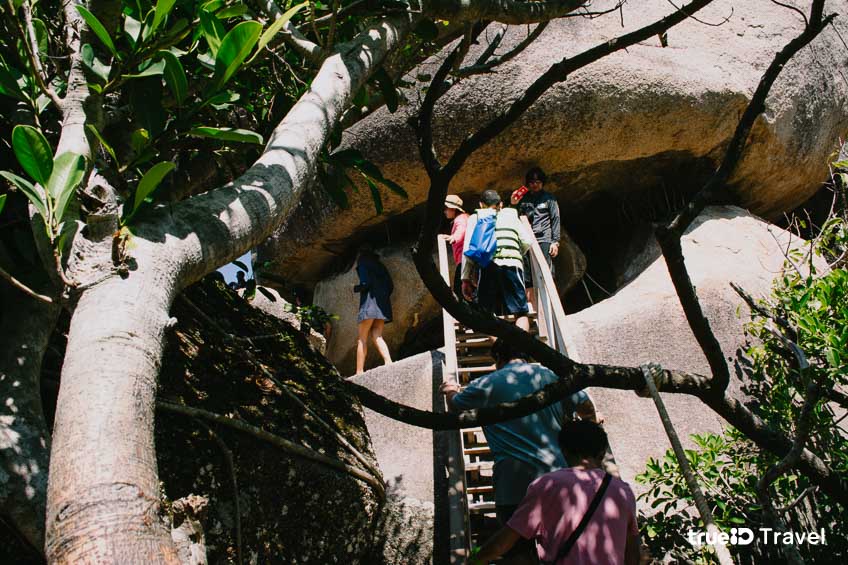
375, 307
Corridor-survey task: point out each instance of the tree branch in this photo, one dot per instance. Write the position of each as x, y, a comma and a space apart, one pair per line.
31, 47
755, 107
484, 64
669, 236
24, 288
307, 49
504, 11
803, 427
277, 441
672, 251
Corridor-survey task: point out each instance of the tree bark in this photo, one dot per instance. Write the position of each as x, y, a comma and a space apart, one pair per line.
24, 437
103, 494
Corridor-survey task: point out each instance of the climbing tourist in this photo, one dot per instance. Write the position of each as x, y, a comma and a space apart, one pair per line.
522, 448
496, 244
375, 308
459, 220
579, 515
542, 211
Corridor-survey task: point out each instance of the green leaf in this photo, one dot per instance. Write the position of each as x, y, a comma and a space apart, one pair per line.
277, 25
149, 182
175, 76
132, 27
33, 153
387, 88
106, 146
212, 30
2, 202
153, 69
31, 192
93, 64
235, 48
232, 12
40, 35
163, 8
8, 83
347, 157
68, 171
139, 140
375, 195
99, 30
227, 134
394, 187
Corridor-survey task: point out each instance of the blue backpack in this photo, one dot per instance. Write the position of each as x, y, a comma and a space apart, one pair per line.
483, 243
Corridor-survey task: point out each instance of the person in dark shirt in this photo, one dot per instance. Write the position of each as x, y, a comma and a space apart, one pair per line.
375, 308
542, 210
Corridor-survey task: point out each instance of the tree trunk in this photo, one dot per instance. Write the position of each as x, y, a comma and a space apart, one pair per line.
103, 496
24, 438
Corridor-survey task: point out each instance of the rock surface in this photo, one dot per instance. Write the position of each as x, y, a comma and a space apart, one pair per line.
412, 459
643, 322
639, 126
411, 305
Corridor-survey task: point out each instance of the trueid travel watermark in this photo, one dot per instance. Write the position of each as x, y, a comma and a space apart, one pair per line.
746, 536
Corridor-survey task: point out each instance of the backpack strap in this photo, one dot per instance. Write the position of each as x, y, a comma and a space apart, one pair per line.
578, 531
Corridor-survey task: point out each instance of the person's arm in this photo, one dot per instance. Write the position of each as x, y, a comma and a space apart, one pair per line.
467, 265
450, 389
585, 410
459, 225
497, 545
525, 237
364, 279
556, 227
632, 548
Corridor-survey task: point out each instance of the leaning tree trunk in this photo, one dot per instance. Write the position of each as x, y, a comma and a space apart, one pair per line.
103, 495
24, 437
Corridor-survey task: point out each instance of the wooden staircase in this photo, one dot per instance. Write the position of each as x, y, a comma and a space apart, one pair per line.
471, 494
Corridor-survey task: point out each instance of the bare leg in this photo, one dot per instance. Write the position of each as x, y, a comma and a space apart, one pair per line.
523, 322
531, 298
377, 336
362, 345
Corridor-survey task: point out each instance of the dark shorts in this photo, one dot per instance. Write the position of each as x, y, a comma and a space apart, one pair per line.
546, 251
501, 290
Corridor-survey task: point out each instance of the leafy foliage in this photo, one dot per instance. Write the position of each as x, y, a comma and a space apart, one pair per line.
813, 303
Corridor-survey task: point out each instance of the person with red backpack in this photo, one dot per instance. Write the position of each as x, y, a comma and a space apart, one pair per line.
493, 259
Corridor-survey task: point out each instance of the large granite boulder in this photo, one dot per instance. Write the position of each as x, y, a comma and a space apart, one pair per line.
412, 305
644, 322
646, 125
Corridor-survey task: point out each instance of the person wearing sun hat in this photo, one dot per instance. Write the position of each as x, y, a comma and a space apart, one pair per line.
459, 221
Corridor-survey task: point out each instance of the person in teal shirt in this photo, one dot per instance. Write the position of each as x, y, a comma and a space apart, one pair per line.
524, 448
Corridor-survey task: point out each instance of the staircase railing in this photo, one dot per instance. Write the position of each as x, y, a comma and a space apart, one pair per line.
460, 541
552, 327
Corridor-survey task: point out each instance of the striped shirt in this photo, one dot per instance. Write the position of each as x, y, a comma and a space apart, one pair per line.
512, 237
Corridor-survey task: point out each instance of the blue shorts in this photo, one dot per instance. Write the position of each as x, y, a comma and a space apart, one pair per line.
501, 290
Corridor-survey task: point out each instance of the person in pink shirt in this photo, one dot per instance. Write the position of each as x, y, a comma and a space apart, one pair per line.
579, 515
459, 219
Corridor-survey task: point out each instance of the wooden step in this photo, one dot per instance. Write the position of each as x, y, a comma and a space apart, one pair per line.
478, 344
479, 466
480, 490
482, 507
483, 369
472, 359
476, 450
